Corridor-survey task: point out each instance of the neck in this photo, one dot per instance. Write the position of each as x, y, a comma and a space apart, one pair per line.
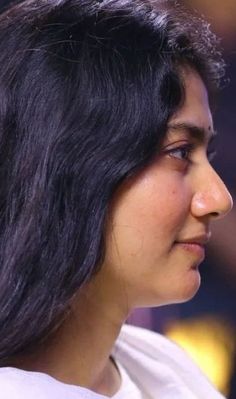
79, 353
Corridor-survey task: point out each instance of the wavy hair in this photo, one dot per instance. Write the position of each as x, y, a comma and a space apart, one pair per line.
86, 91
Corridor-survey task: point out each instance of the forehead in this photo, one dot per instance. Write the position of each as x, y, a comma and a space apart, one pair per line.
194, 116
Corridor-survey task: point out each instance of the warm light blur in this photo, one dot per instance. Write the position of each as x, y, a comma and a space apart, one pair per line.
210, 342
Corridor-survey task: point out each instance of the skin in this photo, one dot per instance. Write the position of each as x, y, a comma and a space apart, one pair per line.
149, 258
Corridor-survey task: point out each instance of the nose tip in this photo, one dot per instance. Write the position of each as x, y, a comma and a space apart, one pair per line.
214, 200
225, 204
229, 204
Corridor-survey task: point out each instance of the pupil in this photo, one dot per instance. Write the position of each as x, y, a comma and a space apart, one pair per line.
184, 152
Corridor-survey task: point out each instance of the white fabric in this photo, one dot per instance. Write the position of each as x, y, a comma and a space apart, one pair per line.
128, 388
158, 367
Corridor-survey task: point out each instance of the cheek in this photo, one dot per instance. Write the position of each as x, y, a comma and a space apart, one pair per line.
149, 215
163, 208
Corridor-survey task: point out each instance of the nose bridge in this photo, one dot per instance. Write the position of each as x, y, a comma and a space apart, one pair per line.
211, 196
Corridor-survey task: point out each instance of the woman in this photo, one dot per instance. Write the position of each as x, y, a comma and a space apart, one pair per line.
107, 193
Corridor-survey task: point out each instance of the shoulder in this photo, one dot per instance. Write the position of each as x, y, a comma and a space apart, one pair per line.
148, 344
20, 384
151, 343
17, 384
162, 364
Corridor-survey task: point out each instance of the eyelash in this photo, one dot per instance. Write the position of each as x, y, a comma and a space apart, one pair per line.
188, 150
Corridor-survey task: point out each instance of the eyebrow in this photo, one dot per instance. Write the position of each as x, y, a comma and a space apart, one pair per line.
197, 132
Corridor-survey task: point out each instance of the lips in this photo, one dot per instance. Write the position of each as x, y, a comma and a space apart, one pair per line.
201, 239
195, 244
194, 248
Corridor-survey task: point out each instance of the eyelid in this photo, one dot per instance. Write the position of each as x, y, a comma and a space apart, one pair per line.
176, 144
211, 154
189, 147
186, 147
212, 149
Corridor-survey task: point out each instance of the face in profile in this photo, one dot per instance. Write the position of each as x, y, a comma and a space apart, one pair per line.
160, 220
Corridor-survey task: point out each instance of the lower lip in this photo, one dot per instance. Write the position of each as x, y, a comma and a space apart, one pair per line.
196, 249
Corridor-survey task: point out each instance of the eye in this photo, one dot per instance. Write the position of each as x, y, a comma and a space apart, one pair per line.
211, 154
211, 150
182, 152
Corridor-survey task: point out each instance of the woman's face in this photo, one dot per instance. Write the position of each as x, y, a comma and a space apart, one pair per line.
160, 221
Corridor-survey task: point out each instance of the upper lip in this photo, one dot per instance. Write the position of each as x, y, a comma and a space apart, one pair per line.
201, 239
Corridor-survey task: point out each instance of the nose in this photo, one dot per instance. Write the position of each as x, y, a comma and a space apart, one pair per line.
211, 198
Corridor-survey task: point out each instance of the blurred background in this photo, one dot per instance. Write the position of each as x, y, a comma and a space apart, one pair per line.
206, 326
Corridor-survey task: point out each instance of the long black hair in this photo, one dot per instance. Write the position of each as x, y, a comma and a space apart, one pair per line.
86, 91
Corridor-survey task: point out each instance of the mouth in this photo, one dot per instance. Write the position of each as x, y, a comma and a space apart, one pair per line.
193, 248
194, 245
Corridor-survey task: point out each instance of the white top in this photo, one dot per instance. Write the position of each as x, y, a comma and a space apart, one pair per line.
151, 367
128, 388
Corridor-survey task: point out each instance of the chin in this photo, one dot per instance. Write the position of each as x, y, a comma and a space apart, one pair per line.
190, 289
175, 292
185, 292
